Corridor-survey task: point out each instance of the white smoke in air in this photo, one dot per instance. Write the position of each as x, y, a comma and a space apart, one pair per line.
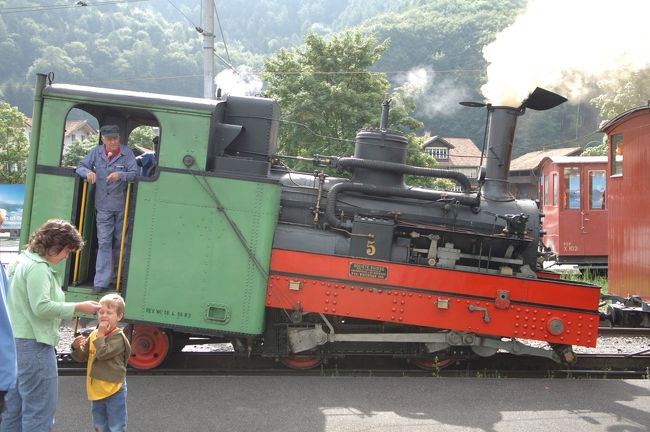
432, 96
239, 82
567, 46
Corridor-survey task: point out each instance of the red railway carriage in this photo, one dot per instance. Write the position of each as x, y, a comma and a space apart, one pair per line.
573, 194
628, 201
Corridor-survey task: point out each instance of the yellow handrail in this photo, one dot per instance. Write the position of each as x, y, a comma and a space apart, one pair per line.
126, 215
82, 215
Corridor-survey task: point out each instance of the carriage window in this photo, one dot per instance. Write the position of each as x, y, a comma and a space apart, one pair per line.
616, 154
571, 188
555, 189
545, 186
597, 189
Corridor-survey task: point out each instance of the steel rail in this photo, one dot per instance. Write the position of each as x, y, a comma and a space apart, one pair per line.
501, 365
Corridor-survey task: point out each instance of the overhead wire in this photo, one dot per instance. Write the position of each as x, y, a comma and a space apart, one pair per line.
78, 4
223, 38
197, 28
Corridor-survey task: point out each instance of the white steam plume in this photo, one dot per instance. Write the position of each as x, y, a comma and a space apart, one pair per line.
567, 46
441, 98
239, 82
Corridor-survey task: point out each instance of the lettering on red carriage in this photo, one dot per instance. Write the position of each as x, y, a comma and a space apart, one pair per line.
570, 247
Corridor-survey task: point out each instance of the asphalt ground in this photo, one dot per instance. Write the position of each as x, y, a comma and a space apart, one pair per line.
344, 404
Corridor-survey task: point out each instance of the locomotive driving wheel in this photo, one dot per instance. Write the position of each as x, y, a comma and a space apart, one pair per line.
150, 346
301, 362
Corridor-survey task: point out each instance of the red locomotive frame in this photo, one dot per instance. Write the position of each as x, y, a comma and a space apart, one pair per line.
556, 312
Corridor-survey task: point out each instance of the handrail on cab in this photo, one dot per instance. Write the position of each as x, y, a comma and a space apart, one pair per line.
82, 215
126, 215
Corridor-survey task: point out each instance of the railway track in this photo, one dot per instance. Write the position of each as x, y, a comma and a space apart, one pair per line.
500, 365
624, 331
631, 365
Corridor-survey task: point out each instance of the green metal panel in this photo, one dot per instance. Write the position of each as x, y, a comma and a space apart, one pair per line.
53, 196
187, 265
52, 132
183, 134
52, 199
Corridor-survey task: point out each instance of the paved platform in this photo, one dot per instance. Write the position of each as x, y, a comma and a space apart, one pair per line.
8, 250
344, 404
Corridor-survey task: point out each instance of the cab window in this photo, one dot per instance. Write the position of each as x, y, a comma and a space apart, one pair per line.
80, 135
144, 142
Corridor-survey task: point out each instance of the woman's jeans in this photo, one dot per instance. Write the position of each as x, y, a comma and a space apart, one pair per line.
109, 414
31, 405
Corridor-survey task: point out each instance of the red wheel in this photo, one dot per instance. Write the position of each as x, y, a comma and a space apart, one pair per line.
433, 363
300, 362
149, 346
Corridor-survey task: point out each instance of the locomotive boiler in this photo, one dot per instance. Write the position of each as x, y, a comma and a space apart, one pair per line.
303, 267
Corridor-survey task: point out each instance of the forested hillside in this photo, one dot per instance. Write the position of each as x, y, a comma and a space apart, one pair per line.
434, 50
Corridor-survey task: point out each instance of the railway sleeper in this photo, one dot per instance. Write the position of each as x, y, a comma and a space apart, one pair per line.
302, 339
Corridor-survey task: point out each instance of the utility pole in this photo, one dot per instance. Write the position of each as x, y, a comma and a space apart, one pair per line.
207, 25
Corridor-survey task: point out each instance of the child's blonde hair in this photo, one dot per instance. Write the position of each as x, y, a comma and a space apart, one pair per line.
115, 300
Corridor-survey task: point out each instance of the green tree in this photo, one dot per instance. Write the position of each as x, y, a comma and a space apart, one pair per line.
597, 150
622, 93
327, 93
14, 145
142, 137
76, 150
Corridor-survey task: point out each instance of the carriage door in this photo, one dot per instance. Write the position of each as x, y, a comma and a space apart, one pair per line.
571, 215
593, 212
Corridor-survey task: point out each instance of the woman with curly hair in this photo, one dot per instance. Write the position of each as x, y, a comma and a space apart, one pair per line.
36, 306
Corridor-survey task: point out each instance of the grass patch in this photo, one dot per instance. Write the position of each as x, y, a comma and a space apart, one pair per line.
590, 277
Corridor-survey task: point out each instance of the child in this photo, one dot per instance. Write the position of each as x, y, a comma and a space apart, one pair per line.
107, 351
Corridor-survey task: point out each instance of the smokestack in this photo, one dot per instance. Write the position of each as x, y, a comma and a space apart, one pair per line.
500, 135
502, 122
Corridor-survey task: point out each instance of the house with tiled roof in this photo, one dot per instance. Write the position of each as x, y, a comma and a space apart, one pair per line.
525, 172
77, 130
455, 154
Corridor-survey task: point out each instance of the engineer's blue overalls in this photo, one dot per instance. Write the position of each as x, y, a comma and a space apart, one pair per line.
109, 206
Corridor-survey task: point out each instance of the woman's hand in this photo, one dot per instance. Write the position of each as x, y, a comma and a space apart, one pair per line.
88, 307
